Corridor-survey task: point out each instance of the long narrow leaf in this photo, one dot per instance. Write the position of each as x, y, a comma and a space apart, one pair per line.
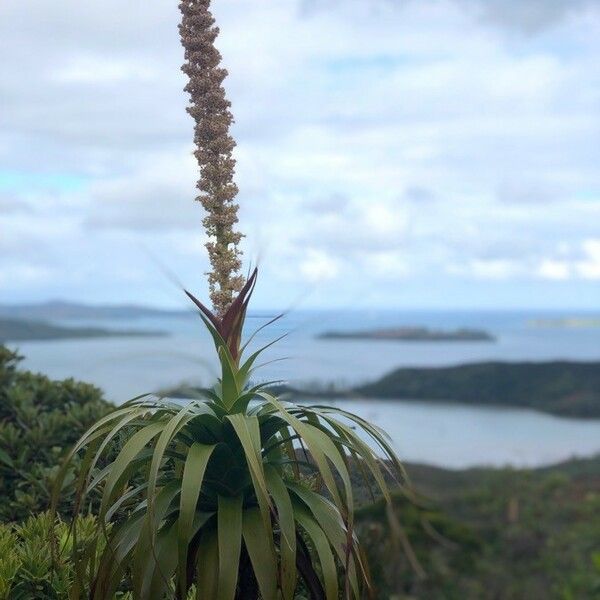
230, 544
191, 484
285, 517
256, 539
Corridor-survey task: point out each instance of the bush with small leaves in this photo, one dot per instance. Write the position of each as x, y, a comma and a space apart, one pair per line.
38, 558
39, 420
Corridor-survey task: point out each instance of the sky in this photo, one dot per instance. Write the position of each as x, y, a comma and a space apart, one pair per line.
391, 153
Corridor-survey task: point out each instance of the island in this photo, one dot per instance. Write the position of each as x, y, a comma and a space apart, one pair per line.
411, 334
18, 330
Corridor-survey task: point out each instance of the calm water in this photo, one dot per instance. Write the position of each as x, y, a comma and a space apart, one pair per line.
450, 435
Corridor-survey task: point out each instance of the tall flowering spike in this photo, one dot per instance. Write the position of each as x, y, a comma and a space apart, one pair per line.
214, 146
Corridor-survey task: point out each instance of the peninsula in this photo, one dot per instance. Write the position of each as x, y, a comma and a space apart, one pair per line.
18, 330
565, 388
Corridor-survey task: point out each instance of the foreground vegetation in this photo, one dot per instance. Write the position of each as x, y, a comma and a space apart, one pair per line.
476, 534
39, 420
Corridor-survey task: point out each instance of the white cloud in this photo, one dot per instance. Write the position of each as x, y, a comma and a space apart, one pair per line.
317, 266
380, 139
96, 70
554, 269
589, 267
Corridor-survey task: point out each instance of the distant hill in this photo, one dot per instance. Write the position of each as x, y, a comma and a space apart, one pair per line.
60, 310
560, 387
16, 330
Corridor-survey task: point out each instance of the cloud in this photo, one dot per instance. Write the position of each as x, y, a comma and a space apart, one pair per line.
379, 141
589, 266
419, 195
530, 16
10, 203
317, 266
558, 270
523, 16
524, 192
159, 196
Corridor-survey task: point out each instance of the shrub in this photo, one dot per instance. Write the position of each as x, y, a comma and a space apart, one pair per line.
38, 558
39, 420
220, 500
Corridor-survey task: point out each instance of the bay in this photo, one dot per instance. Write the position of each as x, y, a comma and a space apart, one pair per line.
447, 435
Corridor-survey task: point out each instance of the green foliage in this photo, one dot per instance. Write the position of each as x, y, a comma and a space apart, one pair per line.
216, 497
38, 558
493, 534
39, 419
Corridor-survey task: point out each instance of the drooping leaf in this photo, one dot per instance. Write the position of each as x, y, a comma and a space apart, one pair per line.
230, 544
256, 538
321, 544
285, 518
207, 567
191, 484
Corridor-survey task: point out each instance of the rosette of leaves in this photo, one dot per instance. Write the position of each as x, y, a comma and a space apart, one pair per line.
236, 493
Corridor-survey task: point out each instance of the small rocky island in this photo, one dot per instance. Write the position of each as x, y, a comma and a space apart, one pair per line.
411, 334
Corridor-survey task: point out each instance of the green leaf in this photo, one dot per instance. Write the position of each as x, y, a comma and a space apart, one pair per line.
191, 484
207, 567
287, 526
230, 544
111, 435
313, 439
146, 555
323, 549
116, 554
5, 458
248, 432
170, 429
364, 452
229, 386
157, 581
256, 538
131, 449
332, 524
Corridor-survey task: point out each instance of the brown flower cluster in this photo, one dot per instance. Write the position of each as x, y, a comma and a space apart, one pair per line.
214, 146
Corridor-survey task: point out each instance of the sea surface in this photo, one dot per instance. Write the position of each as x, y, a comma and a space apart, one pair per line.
450, 435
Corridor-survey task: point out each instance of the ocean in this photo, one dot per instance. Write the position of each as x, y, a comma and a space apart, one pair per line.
451, 435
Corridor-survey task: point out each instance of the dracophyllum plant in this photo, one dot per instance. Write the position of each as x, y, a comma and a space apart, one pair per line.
235, 493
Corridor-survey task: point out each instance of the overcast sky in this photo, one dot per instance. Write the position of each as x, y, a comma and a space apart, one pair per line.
391, 153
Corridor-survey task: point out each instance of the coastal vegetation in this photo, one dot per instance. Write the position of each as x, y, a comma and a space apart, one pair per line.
39, 420
488, 534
